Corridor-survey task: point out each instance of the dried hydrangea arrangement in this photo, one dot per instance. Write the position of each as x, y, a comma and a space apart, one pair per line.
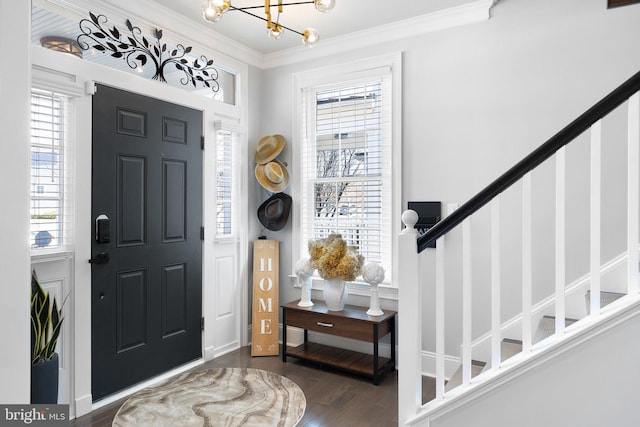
334, 259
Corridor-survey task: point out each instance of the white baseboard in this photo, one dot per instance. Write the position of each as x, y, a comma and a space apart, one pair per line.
209, 353
83, 405
228, 348
295, 336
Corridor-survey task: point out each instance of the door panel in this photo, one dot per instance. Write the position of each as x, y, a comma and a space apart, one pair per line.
131, 199
131, 310
174, 181
147, 179
174, 300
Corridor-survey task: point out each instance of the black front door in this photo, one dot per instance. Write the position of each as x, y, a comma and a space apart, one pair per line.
146, 252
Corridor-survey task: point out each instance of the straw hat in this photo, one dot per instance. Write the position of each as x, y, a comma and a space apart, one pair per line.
268, 148
274, 212
273, 176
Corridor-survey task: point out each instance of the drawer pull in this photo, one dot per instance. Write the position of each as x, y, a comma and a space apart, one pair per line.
326, 325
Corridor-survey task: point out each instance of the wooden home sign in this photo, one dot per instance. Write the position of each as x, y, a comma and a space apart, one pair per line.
264, 325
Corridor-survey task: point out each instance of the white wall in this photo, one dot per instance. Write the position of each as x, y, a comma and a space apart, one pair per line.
15, 87
477, 99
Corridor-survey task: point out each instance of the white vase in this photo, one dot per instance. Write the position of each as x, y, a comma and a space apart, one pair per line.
335, 294
305, 291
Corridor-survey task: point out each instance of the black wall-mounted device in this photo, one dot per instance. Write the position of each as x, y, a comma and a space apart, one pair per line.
428, 214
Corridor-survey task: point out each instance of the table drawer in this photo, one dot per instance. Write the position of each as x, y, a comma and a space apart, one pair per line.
335, 325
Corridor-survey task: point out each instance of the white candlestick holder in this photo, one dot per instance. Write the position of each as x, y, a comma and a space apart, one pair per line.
305, 291
374, 304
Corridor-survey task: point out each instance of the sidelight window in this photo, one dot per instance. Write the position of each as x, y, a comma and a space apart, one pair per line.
50, 170
227, 180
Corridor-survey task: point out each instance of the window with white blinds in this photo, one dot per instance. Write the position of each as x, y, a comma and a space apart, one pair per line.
224, 184
51, 202
346, 180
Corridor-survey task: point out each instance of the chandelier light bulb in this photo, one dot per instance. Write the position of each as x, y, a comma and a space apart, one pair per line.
310, 37
210, 12
275, 32
324, 5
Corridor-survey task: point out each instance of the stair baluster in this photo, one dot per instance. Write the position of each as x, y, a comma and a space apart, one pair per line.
440, 317
496, 335
560, 239
595, 222
527, 259
466, 301
633, 152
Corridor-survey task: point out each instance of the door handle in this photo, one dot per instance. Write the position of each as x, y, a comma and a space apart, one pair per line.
101, 258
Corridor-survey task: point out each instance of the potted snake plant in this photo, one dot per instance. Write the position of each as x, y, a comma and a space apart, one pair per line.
46, 324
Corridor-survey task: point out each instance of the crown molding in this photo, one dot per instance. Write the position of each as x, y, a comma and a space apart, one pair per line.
148, 15
477, 11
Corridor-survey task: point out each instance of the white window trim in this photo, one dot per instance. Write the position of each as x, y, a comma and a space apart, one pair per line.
343, 73
64, 84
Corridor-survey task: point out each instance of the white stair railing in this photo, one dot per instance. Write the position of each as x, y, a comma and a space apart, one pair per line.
410, 406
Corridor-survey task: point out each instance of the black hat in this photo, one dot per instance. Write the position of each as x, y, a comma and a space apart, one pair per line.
274, 212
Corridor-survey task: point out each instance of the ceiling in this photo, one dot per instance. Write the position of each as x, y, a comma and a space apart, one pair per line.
348, 16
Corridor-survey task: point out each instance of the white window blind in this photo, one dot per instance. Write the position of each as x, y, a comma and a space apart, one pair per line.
51, 201
346, 167
225, 184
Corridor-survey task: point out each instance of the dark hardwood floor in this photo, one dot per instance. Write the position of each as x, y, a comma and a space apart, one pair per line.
334, 399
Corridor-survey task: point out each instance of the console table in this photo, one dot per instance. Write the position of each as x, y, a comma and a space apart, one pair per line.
352, 322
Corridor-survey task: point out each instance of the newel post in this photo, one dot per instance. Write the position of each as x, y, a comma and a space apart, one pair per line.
409, 321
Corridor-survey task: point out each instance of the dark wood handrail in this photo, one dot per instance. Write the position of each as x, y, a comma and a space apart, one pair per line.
542, 153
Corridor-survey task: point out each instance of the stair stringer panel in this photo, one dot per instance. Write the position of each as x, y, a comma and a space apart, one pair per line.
583, 379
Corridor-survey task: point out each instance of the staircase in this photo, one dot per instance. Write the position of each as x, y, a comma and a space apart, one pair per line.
517, 361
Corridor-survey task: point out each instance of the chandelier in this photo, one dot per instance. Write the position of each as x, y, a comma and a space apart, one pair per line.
213, 10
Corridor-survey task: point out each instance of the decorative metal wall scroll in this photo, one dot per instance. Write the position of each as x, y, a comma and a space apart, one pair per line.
138, 50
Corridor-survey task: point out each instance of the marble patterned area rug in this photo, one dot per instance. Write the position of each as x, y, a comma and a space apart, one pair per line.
215, 398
